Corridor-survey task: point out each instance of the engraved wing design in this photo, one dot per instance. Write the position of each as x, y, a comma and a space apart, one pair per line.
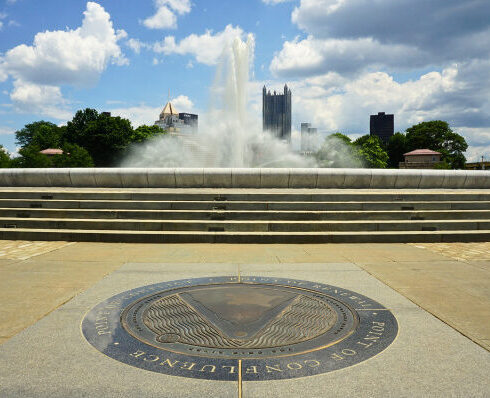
303, 319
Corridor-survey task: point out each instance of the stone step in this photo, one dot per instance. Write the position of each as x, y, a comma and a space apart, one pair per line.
241, 205
243, 195
243, 237
221, 215
252, 226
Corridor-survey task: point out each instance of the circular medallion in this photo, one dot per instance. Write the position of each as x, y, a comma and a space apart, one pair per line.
255, 328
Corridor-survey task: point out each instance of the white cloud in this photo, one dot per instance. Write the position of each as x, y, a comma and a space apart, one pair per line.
474, 153
143, 114
362, 35
39, 99
165, 16
182, 103
138, 115
6, 130
68, 57
135, 45
347, 106
73, 57
353, 52
334, 103
206, 48
316, 56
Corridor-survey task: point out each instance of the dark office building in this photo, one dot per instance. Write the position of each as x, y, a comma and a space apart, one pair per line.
189, 119
382, 125
276, 113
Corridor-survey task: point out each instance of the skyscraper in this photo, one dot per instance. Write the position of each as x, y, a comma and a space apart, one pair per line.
276, 113
382, 126
308, 137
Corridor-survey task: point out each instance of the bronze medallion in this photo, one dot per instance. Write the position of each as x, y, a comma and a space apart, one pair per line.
206, 328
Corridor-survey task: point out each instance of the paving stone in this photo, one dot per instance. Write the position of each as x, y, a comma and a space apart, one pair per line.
430, 356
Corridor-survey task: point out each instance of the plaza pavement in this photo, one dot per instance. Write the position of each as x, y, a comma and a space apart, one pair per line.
439, 293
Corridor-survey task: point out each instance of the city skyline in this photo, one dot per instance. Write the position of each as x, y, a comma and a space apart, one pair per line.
339, 63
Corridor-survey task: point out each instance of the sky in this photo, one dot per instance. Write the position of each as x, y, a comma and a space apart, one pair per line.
343, 59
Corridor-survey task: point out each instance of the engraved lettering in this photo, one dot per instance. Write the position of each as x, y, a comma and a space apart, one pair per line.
187, 365
156, 358
337, 357
373, 337
213, 368
348, 352
294, 366
232, 368
251, 369
137, 354
314, 362
169, 363
365, 344
270, 369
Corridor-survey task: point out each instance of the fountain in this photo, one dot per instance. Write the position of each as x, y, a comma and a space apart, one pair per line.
229, 136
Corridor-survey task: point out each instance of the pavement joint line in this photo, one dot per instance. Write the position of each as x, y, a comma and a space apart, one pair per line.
45, 315
446, 322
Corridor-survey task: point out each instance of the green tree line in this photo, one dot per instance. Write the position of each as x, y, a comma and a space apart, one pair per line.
338, 150
90, 139
93, 139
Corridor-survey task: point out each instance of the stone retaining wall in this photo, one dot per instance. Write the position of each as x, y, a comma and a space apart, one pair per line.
243, 178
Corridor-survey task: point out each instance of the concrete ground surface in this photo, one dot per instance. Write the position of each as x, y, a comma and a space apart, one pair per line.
439, 293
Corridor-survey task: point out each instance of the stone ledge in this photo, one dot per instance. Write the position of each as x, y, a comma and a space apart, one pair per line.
245, 178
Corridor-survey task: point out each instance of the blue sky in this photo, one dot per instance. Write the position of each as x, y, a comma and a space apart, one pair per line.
344, 60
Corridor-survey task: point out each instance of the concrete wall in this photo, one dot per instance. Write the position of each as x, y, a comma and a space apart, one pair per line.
243, 178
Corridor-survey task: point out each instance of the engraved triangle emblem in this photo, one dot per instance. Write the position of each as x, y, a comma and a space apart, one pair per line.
239, 311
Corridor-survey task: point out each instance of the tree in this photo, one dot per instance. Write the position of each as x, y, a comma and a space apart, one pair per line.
107, 138
144, 132
396, 147
438, 136
5, 160
42, 134
371, 151
103, 136
342, 137
73, 156
75, 130
338, 151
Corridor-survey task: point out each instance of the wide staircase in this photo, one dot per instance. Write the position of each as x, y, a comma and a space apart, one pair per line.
244, 215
